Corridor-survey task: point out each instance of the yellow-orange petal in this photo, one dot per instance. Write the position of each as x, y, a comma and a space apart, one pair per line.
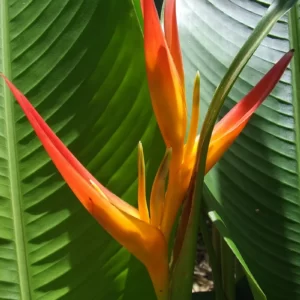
194, 119
228, 128
29, 109
142, 201
172, 36
166, 90
157, 198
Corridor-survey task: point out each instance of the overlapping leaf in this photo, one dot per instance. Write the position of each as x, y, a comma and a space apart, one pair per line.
257, 182
75, 61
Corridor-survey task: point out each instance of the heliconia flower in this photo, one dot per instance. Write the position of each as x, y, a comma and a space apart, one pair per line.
130, 227
145, 231
166, 84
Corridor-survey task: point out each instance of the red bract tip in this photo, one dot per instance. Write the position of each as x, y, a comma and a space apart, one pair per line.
228, 128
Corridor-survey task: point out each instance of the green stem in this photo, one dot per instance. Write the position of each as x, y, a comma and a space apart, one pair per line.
228, 270
213, 258
239, 271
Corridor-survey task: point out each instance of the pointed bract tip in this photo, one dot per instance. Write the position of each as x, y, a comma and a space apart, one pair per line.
157, 198
140, 146
140, 152
197, 79
142, 201
164, 167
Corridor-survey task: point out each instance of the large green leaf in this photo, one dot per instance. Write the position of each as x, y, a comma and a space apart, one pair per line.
81, 64
257, 181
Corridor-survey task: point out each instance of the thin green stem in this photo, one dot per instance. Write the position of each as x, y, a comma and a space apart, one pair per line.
239, 271
213, 258
228, 270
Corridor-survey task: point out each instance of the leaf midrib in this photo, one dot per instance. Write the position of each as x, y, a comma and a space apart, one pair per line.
295, 67
13, 170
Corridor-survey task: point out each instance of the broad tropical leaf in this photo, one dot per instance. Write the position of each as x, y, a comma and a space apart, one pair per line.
75, 61
257, 182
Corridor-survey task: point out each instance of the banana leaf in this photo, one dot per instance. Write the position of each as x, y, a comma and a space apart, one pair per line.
256, 184
76, 63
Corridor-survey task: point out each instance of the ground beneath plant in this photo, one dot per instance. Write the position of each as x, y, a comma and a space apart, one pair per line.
202, 271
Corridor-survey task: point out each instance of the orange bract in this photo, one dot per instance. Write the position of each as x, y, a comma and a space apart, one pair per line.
166, 84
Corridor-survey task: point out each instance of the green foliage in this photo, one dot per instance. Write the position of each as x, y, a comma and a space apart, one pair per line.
81, 64
257, 183
76, 63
